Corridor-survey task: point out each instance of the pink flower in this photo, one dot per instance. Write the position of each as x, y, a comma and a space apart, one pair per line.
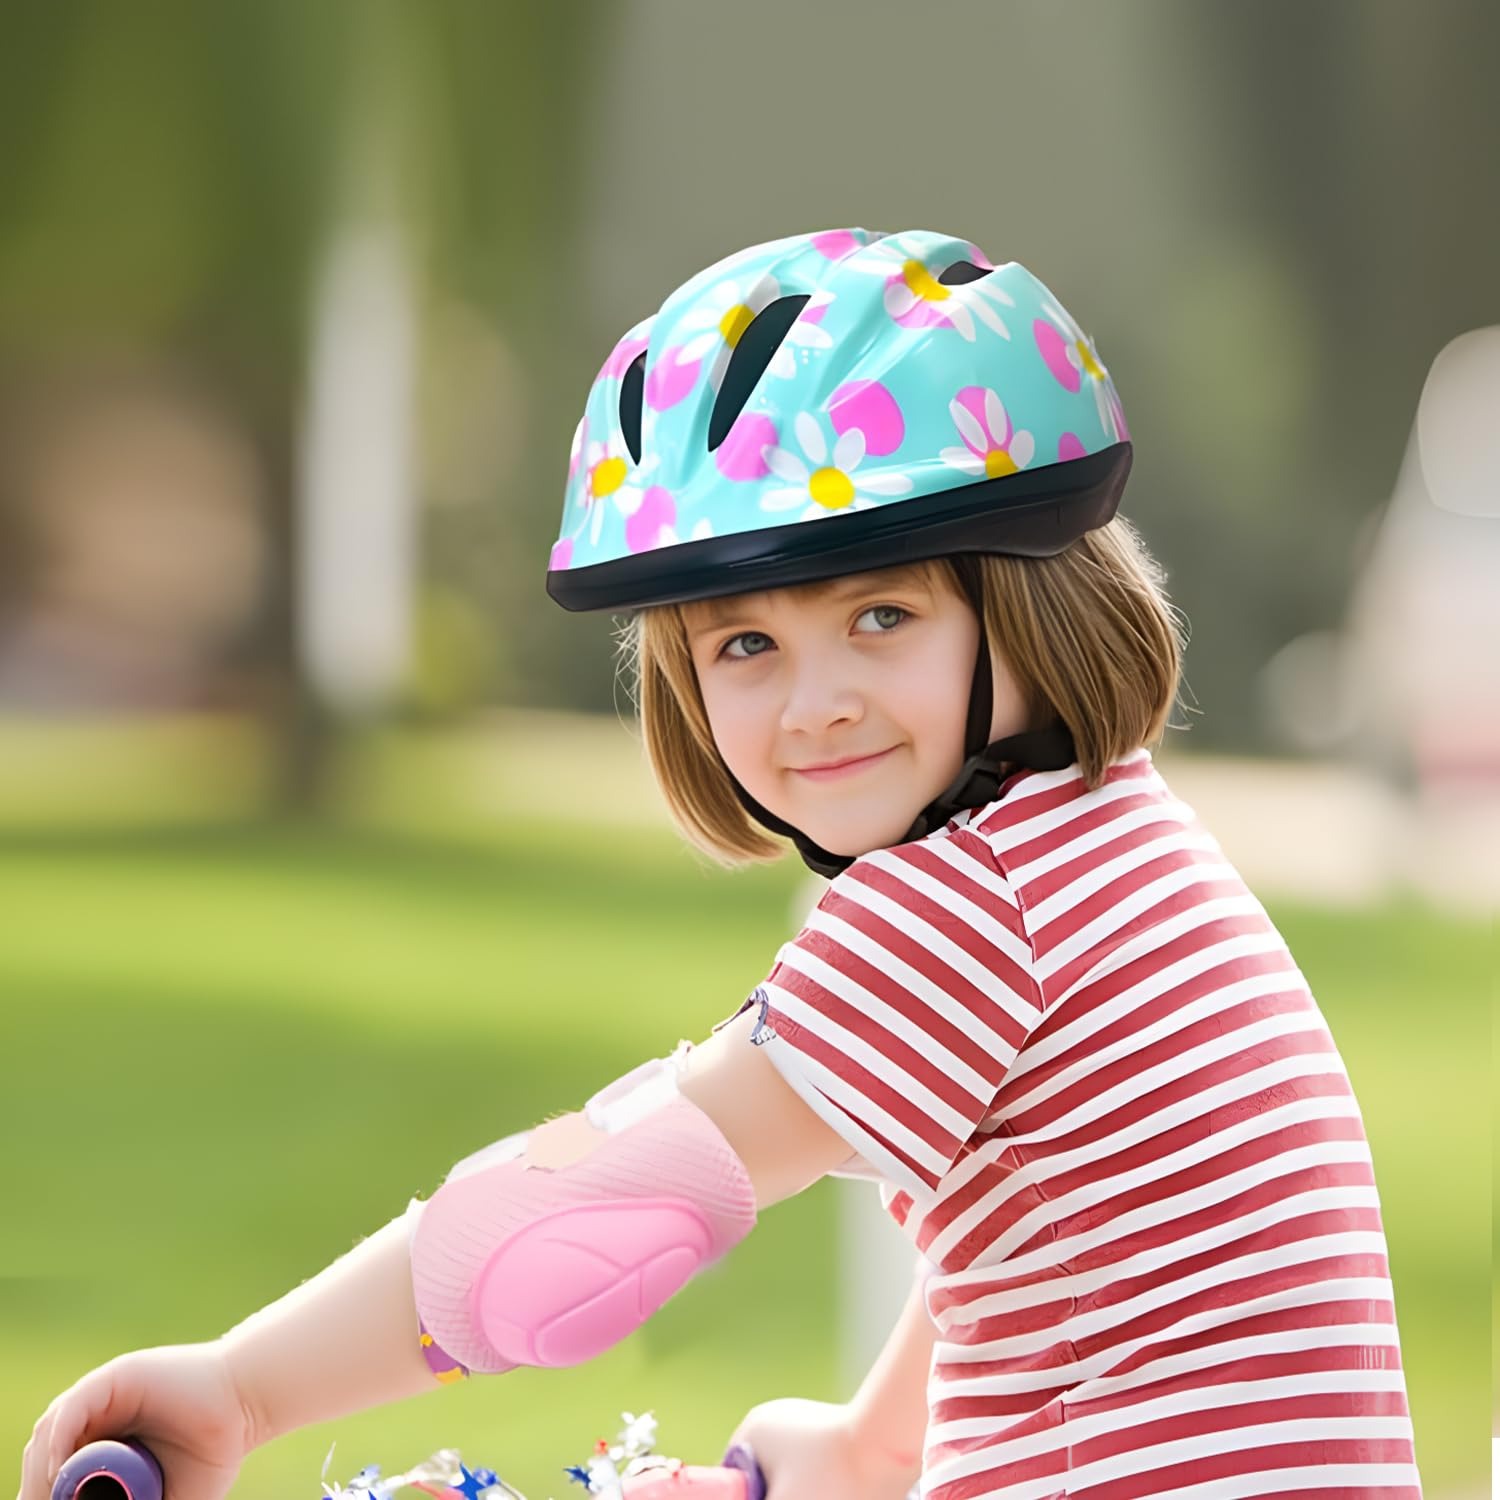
653, 516
992, 448
1070, 355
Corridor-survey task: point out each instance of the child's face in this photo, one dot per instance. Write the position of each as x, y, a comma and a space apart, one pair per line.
873, 669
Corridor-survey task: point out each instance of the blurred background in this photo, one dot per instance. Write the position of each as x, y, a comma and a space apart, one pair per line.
326, 849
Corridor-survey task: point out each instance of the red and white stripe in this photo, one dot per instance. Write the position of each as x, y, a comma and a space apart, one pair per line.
1111, 1114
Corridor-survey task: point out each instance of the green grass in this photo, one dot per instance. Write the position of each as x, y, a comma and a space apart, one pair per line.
232, 1053
233, 1050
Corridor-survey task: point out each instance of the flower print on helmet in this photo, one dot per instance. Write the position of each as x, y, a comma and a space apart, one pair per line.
883, 387
992, 448
610, 479
1074, 362
575, 452
829, 480
915, 294
714, 326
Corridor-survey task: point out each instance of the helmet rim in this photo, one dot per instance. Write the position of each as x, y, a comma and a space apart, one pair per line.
1031, 513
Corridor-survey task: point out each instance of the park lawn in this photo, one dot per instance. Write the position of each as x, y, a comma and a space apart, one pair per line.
234, 1050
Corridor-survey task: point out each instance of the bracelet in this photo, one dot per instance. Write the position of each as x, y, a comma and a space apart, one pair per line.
442, 1364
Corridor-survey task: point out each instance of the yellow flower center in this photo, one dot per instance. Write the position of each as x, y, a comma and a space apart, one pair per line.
734, 323
923, 283
998, 463
831, 488
606, 477
1090, 364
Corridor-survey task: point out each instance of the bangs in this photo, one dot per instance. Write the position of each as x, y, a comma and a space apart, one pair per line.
932, 573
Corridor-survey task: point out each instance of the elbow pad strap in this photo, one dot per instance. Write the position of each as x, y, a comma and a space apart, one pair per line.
515, 1264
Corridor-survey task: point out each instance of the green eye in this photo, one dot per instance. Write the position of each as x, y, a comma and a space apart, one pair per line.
887, 616
764, 642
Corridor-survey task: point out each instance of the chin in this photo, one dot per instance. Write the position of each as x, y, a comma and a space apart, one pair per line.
851, 842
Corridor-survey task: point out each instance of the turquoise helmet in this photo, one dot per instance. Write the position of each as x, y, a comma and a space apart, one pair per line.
833, 403
830, 403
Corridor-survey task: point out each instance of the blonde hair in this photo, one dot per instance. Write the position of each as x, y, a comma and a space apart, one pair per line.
1088, 635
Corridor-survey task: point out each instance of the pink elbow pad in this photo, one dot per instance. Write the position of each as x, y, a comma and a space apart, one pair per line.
515, 1264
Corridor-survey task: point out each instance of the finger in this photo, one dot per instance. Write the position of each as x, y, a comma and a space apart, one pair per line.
60, 1444
103, 1404
73, 1412
34, 1481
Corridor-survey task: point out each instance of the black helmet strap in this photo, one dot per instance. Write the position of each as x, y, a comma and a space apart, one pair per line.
984, 768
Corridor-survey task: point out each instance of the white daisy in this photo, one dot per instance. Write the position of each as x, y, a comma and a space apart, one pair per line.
824, 483
1078, 348
991, 448
575, 451
670, 536
720, 319
914, 297
607, 468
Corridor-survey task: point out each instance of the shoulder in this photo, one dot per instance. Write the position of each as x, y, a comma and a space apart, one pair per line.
1041, 812
951, 876
940, 905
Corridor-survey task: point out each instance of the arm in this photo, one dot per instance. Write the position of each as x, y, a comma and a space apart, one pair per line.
889, 1411
785, 1147
344, 1341
347, 1339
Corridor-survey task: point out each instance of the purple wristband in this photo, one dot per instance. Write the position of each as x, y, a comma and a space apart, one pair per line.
439, 1361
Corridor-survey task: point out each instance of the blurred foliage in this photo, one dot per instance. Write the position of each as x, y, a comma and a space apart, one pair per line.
454, 655
1332, 244
176, 167
175, 172
1269, 216
289, 1033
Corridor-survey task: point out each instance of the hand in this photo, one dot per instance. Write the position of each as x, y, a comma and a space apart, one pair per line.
180, 1400
808, 1450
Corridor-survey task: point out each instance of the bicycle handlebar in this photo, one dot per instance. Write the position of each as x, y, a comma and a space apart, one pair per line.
127, 1469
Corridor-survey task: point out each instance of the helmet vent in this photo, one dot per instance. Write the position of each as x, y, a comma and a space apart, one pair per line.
757, 345
632, 393
962, 272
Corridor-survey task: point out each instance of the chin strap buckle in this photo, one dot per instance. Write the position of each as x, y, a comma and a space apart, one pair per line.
978, 781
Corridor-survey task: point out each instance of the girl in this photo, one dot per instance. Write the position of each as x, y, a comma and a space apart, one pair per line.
860, 491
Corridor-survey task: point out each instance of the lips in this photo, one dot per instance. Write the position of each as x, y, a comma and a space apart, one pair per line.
849, 765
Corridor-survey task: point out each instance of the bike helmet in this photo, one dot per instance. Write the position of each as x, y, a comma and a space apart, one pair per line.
832, 403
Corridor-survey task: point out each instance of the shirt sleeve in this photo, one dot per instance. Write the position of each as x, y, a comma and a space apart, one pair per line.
898, 1009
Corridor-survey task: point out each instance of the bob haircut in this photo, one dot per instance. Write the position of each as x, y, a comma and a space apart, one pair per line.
1089, 636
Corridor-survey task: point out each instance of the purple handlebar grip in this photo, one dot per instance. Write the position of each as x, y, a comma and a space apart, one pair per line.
740, 1457
110, 1470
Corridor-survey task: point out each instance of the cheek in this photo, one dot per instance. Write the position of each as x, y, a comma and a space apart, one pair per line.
738, 721
937, 691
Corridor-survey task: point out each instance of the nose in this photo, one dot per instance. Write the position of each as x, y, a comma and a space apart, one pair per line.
820, 694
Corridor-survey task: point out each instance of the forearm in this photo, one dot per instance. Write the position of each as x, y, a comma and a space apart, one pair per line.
349, 1338
339, 1343
890, 1408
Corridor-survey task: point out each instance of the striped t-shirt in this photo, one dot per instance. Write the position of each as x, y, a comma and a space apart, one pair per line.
1107, 1109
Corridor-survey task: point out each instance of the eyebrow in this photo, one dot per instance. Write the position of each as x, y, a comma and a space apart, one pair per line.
728, 610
